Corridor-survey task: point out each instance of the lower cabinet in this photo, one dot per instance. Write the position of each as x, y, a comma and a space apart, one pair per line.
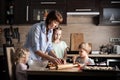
2, 68
107, 61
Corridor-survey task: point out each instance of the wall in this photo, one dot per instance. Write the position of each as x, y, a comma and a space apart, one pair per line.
95, 34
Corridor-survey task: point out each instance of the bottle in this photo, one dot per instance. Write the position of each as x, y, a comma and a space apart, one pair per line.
112, 18
11, 9
38, 16
45, 14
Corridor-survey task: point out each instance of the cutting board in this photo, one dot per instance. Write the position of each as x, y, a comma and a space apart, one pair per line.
75, 40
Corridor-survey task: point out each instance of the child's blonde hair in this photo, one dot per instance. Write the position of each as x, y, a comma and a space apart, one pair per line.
20, 52
86, 46
54, 30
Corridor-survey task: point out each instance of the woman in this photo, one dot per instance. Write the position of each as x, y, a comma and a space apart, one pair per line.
39, 39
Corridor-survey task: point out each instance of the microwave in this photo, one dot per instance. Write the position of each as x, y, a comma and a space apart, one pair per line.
116, 49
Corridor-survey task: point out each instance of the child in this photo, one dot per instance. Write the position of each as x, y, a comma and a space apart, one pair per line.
59, 45
84, 50
21, 58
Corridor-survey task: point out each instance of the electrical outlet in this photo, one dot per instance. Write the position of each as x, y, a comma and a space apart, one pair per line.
114, 39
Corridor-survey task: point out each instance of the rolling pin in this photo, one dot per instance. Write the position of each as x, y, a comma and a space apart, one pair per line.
63, 66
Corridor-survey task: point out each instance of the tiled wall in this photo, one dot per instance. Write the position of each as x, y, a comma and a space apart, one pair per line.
95, 34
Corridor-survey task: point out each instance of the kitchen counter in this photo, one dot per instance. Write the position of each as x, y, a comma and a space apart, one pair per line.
99, 55
72, 74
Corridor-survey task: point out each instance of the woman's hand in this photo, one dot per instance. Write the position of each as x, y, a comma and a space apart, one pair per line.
57, 61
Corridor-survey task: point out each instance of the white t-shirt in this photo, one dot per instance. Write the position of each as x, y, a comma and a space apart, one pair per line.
59, 48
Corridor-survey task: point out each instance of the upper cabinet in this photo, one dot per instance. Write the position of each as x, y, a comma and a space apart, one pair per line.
38, 9
82, 6
30, 11
20, 12
13, 11
2, 11
110, 12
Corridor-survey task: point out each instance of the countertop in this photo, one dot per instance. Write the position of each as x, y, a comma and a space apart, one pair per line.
99, 55
71, 73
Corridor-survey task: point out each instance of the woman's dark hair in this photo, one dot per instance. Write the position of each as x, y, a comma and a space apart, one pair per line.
54, 15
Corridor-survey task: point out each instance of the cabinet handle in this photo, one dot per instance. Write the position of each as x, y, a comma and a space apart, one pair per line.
48, 2
115, 21
83, 9
115, 2
27, 12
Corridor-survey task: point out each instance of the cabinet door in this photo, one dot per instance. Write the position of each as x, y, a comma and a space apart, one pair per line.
20, 12
82, 5
2, 11
110, 3
38, 8
2, 68
110, 12
31, 11
115, 3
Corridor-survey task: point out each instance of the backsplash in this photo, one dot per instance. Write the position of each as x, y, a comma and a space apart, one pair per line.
93, 33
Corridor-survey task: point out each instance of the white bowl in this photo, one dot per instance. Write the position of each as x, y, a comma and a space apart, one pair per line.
35, 64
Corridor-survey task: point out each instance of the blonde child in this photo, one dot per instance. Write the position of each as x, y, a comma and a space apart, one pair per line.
59, 45
84, 51
21, 58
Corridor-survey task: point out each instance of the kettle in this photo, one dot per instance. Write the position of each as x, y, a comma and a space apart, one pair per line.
116, 49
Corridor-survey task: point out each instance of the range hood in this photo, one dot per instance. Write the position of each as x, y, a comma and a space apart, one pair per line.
83, 13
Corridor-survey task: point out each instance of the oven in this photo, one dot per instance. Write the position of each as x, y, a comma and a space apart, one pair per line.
113, 62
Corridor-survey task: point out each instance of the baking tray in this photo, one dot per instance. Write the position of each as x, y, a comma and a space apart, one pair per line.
100, 68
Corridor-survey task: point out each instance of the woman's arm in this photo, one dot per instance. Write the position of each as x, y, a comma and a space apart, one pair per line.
54, 59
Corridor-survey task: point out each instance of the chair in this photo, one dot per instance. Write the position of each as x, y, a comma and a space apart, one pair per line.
10, 65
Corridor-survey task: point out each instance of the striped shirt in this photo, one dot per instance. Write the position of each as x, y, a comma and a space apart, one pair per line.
37, 40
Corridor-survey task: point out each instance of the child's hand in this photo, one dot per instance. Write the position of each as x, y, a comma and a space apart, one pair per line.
63, 61
74, 59
80, 66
